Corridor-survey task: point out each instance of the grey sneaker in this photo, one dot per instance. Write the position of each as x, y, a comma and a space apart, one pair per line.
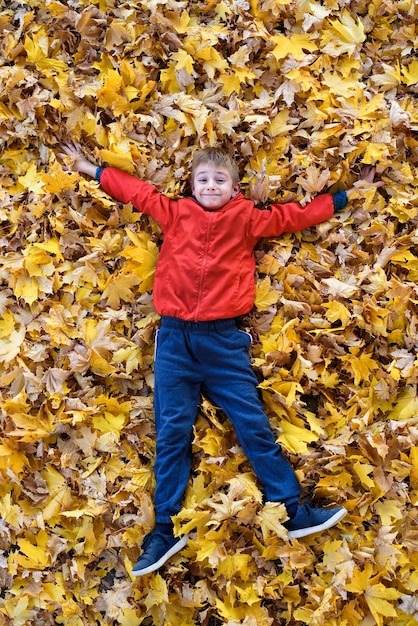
309, 520
157, 549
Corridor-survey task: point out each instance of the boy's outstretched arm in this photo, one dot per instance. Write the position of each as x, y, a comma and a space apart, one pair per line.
79, 162
120, 185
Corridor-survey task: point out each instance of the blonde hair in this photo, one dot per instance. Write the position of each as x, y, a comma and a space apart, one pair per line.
218, 156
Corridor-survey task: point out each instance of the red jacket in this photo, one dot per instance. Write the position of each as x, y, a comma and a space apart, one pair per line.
206, 266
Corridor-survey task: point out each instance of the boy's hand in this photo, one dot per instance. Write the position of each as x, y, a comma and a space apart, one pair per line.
77, 161
365, 181
367, 174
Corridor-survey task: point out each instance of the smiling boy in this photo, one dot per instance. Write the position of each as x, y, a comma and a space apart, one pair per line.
214, 183
204, 281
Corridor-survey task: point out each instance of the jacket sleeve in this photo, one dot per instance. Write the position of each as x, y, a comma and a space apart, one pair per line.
290, 217
143, 196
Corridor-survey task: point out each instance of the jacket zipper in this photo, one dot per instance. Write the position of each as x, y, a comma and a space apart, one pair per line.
203, 267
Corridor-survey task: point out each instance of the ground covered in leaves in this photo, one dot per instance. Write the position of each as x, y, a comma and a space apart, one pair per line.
304, 93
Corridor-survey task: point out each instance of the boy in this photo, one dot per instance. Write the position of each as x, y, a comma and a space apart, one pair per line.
203, 282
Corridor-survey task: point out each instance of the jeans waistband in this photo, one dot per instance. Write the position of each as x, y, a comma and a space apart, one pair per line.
175, 322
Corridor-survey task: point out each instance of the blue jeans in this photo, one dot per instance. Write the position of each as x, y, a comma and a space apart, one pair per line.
210, 358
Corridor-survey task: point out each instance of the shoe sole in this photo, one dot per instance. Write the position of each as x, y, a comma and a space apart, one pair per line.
304, 532
179, 545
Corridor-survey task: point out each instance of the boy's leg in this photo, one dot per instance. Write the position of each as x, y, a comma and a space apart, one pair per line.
176, 400
176, 397
232, 384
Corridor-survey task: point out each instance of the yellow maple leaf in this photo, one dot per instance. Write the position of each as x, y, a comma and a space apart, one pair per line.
232, 614
168, 77
60, 326
56, 180
339, 288
109, 243
337, 311
212, 60
29, 428
295, 45
116, 34
113, 415
405, 258
181, 21
33, 553
27, 288
245, 484
157, 592
31, 181
329, 379
11, 513
59, 493
19, 611
279, 124
361, 579
54, 591
245, 75
7, 324
119, 288
388, 511
37, 51
51, 245
37, 261
10, 346
314, 179
224, 507
410, 73
362, 366
37, 46
131, 355
189, 519
363, 470
271, 518
295, 438
118, 158
249, 595
389, 75
212, 442
375, 152
108, 422
286, 389
231, 83
210, 550
100, 365
265, 296
183, 61
345, 35
112, 84
12, 458
377, 598
144, 253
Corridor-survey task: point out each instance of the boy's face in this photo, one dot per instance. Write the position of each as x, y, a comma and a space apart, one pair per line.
212, 186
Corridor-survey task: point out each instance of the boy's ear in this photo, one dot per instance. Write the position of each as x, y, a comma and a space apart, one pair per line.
236, 190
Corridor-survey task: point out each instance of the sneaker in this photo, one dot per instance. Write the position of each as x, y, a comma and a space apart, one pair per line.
309, 520
157, 549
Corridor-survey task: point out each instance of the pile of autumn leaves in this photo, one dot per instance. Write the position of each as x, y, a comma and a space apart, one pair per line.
303, 93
